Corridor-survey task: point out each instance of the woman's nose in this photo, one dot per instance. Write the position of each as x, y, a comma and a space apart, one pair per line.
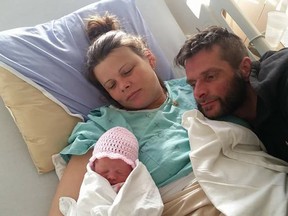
125, 85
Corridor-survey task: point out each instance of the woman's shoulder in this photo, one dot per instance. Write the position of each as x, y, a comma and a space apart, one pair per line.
181, 93
178, 86
100, 112
177, 82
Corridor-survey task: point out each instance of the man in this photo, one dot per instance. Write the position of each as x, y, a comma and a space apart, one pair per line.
226, 81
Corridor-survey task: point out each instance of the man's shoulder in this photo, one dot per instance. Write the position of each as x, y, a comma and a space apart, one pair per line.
272, 53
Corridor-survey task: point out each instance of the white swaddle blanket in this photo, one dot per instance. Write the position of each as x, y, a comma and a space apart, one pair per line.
235, 173
139, 196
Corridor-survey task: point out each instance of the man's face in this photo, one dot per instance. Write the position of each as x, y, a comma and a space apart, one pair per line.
218, 88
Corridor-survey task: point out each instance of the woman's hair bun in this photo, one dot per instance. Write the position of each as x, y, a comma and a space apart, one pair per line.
98, 25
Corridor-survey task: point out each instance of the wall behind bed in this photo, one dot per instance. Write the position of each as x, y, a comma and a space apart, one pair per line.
19, 13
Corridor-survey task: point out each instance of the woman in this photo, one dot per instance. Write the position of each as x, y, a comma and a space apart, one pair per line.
122, 66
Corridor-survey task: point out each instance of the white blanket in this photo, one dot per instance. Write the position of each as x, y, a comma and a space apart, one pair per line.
236, 174
139, 196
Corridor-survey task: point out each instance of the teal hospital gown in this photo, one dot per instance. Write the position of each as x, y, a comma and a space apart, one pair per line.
163, 142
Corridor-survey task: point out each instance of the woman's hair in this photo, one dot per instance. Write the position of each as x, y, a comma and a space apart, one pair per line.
105, 35
232, 49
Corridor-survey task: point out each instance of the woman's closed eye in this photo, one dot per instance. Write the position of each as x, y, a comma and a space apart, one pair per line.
110, 84
127, 71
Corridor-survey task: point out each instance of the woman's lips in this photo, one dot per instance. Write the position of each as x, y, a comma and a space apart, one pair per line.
133, 95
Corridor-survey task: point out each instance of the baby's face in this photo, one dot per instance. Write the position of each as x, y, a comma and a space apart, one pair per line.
114, 170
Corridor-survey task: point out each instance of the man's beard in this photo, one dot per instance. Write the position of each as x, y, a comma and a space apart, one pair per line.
235, 97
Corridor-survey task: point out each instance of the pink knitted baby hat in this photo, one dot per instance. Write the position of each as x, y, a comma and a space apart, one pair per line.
116, 143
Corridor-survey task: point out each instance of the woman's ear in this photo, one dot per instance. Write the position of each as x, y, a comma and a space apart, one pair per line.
151, 58
245, 67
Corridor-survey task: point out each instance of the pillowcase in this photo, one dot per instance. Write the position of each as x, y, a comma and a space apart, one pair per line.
53, 54
44, 124
49, 60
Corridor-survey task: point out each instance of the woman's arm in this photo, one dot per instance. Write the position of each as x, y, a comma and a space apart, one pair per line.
70, 182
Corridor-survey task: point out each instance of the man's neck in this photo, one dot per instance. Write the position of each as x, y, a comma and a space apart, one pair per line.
248, 109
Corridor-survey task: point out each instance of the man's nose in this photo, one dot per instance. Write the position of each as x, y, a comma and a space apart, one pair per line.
200, 91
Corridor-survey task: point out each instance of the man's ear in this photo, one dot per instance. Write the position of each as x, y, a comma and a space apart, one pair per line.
151, 58
245, 67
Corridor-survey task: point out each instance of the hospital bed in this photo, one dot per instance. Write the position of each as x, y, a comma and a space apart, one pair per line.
27, 186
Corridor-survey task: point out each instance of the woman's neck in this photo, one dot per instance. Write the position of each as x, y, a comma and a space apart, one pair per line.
159, 100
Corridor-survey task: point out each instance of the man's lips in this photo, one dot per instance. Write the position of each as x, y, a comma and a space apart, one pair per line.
206, 103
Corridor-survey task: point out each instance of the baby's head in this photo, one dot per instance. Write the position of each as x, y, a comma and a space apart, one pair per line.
115, 154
